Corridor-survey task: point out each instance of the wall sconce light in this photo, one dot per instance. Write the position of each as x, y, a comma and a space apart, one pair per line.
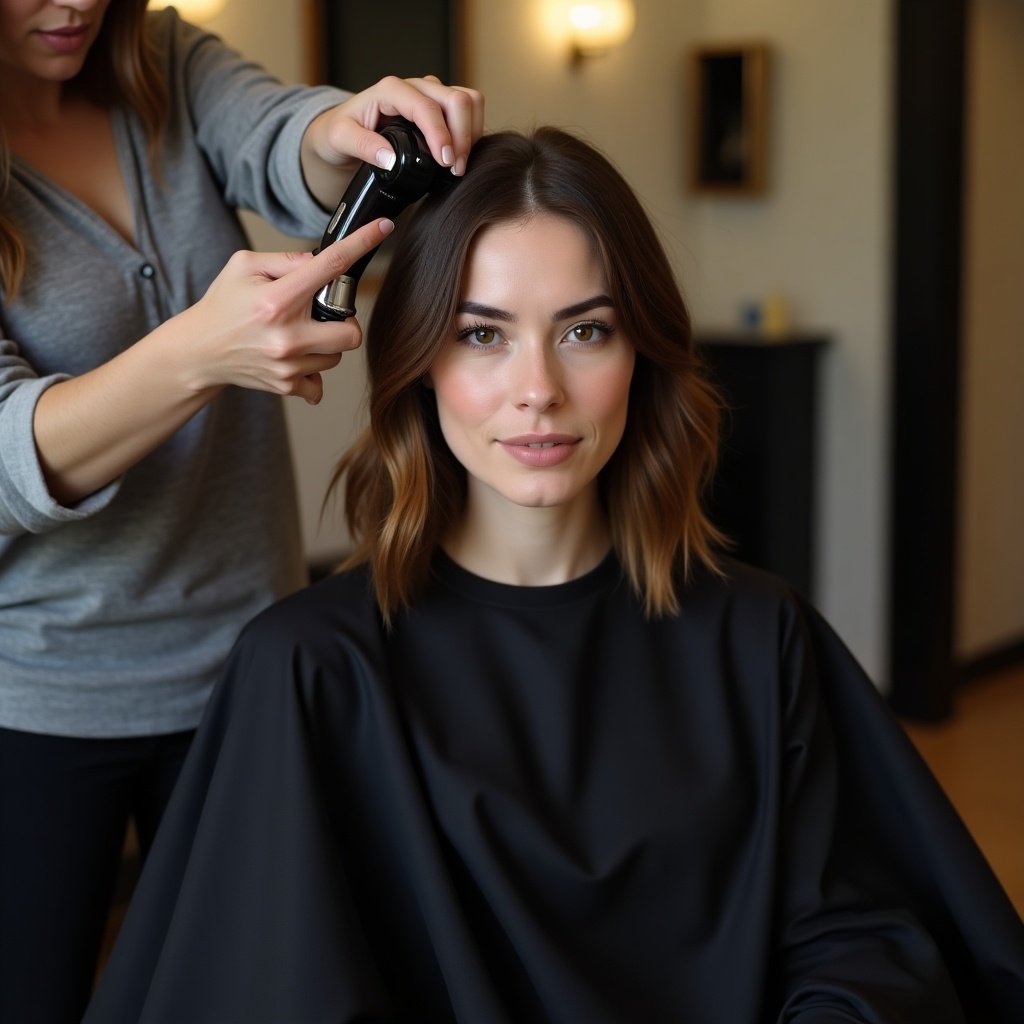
596, 26
195, 11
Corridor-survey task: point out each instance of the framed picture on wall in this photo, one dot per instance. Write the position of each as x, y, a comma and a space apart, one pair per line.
728, 138
353, 45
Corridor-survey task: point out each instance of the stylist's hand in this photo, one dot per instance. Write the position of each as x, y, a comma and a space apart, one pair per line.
254, 328
451, 118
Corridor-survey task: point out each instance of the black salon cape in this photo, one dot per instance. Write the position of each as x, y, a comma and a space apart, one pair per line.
533, 804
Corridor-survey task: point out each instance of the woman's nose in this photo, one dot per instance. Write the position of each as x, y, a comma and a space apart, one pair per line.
538, 383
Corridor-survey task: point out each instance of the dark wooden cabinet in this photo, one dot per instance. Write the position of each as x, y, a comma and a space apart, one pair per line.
763, 494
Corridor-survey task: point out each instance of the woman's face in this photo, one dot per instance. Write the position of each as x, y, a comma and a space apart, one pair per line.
48, 39
533, 384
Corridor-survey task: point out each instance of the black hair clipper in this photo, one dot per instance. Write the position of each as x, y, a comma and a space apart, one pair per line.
372, 193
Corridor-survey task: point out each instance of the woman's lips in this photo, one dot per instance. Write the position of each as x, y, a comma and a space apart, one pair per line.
540, 450
65, 40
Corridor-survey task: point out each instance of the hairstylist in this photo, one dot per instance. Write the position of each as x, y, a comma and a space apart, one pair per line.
147, 506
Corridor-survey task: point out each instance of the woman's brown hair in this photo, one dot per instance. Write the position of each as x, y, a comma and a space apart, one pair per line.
404, 488
121, 68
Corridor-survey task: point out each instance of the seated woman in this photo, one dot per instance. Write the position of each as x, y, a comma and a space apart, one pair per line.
540, 751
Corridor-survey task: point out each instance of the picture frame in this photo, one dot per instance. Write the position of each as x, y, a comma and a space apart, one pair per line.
729, 104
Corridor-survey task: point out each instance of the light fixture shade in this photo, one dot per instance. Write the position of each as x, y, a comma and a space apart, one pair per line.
595, 26
196, 11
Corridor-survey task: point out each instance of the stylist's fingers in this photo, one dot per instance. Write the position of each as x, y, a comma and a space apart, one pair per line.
311, 388
303, 282
450, 117
305, 279
463, 111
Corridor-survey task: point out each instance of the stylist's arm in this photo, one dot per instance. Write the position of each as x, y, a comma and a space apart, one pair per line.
252, 328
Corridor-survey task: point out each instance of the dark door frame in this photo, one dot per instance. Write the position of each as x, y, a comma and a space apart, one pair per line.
929, 119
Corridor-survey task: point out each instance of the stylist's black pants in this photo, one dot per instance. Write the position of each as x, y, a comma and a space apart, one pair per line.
64, 809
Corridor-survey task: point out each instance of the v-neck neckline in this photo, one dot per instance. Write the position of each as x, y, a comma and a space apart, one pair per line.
123, 151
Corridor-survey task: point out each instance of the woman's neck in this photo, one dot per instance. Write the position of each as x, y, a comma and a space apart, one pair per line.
30, 104
529, 546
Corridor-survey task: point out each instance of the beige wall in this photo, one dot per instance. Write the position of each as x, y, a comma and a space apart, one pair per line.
991, 541
820, 235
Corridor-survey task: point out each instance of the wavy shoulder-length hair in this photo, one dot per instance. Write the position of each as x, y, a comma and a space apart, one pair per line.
121, 68
403, 486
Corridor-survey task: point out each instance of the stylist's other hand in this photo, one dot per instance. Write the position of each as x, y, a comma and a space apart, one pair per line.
253, 328
451, 118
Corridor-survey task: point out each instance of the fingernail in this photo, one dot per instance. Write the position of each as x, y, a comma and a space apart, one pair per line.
460, 168
447, 155
385, 158
386, 226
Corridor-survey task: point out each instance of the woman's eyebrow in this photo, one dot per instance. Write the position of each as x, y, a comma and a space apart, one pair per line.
491, 312
597, 302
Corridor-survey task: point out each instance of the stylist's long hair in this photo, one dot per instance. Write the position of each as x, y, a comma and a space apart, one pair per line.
121, 69
404, 488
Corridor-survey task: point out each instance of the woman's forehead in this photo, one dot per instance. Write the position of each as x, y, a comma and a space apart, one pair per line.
541, 253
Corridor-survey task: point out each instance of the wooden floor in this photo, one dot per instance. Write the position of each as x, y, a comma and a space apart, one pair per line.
978, 756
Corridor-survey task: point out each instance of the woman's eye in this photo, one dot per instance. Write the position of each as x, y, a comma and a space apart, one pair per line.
588, 333
486, 337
